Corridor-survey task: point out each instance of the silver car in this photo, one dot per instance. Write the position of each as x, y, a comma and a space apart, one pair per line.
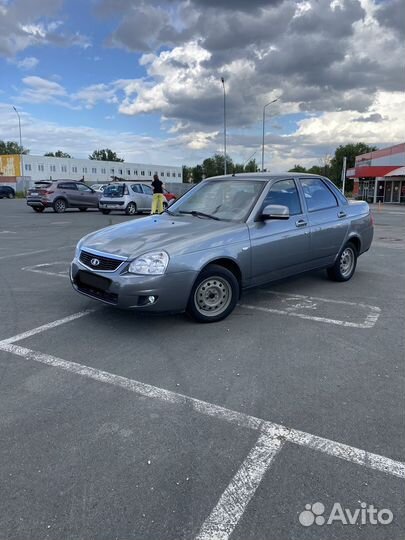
225, 235
128, 197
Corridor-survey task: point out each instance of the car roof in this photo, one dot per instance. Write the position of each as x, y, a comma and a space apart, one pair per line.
264, 176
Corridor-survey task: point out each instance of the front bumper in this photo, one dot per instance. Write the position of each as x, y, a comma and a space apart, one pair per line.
131, 291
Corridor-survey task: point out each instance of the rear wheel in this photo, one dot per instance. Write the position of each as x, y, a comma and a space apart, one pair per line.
11, 195
38, 209
131, 209
345, 264
105, 212
214, 294
59, 206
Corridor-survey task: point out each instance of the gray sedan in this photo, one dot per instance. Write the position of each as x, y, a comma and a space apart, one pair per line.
226, 234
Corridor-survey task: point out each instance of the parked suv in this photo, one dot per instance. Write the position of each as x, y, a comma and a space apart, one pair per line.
61, 194
7, 191
128, 197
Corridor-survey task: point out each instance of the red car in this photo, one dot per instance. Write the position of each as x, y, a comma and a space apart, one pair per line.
169, 196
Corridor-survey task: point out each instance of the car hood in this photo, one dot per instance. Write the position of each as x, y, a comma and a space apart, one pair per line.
183, 234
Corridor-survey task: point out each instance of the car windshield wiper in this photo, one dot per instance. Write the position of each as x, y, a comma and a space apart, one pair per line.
196, 213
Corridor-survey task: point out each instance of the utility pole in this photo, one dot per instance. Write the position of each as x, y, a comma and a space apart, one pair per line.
21, 148
223, 84
264, 119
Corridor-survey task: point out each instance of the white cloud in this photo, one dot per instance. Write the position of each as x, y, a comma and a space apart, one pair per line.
27, 63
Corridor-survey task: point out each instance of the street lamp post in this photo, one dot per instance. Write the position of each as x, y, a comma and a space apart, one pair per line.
223, 84
21, 148
264, 118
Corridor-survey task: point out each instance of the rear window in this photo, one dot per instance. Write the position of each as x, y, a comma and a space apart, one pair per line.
115, 190
42, 184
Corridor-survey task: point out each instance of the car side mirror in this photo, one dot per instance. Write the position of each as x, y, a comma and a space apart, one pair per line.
275, 211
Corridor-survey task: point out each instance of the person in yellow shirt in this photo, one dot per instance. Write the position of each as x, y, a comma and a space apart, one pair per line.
158, 197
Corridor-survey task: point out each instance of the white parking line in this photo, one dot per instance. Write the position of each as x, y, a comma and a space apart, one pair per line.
23, 254
233, 502
327, 446
39, 269
47, 326
311, 303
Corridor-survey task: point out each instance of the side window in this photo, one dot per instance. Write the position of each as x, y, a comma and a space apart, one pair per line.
67, 185
285, 193
137, 188
317, 195
83, 187
148, 190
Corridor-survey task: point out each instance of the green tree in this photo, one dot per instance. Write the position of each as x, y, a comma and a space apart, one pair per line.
197, 174
251, 166
105, 155
58, 153
350, 151
298, 168
214, 166
11, 147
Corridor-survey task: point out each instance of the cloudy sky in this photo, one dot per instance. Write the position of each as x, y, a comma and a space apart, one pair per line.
143, 77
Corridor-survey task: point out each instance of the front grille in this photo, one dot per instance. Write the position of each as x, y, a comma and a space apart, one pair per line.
105, 264
95, 286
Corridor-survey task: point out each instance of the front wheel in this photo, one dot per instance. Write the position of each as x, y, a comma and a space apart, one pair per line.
131, 209
11, 195
345, 264
214, 294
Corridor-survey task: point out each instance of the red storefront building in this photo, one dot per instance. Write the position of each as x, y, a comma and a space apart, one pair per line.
380, 176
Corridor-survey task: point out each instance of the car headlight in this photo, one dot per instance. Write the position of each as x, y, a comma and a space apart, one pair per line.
154, 263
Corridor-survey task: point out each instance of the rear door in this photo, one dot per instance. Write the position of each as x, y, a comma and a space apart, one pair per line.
280, 247
69, 192
328, 221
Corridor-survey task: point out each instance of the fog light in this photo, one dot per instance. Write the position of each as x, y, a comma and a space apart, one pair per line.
151, 299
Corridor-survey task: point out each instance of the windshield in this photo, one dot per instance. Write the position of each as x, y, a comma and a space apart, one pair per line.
229, 200
114, 190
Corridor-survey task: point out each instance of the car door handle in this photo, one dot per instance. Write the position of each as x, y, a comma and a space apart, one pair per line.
342, 214
301, 223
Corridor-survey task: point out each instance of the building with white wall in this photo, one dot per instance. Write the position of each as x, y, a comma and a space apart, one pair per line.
35, 168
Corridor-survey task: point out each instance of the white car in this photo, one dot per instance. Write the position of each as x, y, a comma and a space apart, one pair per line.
129, 197
98, 187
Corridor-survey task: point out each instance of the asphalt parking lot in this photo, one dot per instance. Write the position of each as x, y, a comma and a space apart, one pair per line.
116, 425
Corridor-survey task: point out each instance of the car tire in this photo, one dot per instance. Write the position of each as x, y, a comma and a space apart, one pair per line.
105, 212
345, 264
83, 209
59, 206
214, 295
38, 209
131, 209
165, 205
11, 195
